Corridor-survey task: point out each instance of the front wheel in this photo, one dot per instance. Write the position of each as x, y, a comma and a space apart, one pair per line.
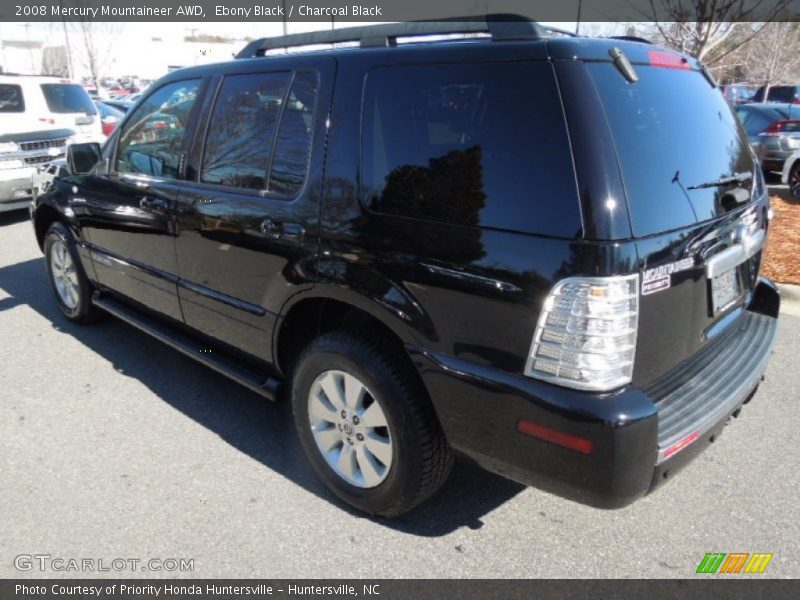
71, 288
367, 425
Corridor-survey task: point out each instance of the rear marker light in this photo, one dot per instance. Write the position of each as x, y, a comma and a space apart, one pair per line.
681, 444
586, 334
553, 436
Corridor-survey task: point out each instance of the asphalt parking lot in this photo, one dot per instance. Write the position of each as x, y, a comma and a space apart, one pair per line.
115, 446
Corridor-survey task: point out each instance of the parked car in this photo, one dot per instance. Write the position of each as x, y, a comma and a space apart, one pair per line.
39, 116
119, 105
786, 94
773, 130
738, 93
790, 175
109, 116
563, 289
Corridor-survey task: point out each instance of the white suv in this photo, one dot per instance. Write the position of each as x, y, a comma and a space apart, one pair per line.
39, 117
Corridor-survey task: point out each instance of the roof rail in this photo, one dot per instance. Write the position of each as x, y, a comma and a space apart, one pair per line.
500, 26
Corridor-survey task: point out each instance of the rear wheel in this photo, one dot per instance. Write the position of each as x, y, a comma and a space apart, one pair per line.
71, 288
367, 425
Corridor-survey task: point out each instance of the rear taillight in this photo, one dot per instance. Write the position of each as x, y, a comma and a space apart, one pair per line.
586, 334
777, 127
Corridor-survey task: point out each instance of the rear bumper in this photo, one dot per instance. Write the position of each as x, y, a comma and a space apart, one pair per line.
637, 437
15, 187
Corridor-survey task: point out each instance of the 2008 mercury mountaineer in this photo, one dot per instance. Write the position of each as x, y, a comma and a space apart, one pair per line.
536, 250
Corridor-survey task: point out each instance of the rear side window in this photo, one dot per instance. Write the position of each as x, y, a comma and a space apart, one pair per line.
259, 135
67, 98
293, 146
756, 121
242, 128
471, 144
11, 98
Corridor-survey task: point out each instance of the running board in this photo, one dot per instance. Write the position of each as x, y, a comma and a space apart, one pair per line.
184, 343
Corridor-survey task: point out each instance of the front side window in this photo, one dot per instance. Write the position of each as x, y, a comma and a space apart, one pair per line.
480, 144
152, 139
241, 130
11, 98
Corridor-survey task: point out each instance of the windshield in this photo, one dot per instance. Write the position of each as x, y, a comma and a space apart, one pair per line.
672, 130
67, 98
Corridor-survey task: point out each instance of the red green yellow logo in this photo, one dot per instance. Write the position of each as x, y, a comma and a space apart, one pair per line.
735, 562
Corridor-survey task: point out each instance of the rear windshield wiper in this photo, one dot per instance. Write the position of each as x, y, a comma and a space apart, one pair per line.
735, 178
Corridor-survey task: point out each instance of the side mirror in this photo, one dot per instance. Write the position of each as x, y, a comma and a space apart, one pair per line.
81, 158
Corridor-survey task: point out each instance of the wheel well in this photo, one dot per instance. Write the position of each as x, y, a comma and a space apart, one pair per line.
45, 216
308, 319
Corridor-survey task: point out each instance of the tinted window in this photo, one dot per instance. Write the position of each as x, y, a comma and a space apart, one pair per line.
11, 98
242, 129
151, 141
782, 94
672, 130
477, 144
67, 98
293, 146
108, 111
757, 120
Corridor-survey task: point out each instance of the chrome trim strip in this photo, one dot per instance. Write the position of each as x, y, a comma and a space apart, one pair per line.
725, 260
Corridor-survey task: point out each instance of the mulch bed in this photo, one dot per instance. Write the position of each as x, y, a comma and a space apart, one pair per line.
782, 261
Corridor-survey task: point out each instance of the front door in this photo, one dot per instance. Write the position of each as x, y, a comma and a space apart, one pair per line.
248, 221
128, 211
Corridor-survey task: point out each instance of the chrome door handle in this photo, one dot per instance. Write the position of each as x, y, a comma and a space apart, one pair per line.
291, 232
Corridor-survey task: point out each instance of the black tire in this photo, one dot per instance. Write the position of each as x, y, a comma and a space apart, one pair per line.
83, 311
421, 459
794, 181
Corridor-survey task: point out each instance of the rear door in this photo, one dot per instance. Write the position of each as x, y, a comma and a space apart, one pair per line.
127, 211
248, 220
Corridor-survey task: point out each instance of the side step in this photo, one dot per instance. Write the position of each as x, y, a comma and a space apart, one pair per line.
183, 343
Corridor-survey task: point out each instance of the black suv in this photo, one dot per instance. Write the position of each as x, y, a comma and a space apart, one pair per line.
535, 250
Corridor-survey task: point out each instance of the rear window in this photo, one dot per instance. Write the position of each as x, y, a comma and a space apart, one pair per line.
67, 98
672, 130
782, 94
471, 144
11, 98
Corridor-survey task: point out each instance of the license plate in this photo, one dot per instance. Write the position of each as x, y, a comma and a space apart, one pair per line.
724, 290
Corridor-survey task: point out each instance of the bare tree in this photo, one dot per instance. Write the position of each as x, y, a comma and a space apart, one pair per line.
95, 42
710, 30
774, 58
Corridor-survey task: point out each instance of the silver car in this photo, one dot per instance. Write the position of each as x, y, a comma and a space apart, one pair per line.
773, 130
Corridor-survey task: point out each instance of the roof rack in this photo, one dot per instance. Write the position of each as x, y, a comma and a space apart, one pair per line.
501, 27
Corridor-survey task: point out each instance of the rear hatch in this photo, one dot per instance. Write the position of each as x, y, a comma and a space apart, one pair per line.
698, 240
70, 106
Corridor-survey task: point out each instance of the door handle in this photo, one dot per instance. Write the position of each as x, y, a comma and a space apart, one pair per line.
292, 232
153, 204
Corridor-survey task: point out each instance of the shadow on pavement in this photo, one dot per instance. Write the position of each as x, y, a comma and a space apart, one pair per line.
14, 216
250, 424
